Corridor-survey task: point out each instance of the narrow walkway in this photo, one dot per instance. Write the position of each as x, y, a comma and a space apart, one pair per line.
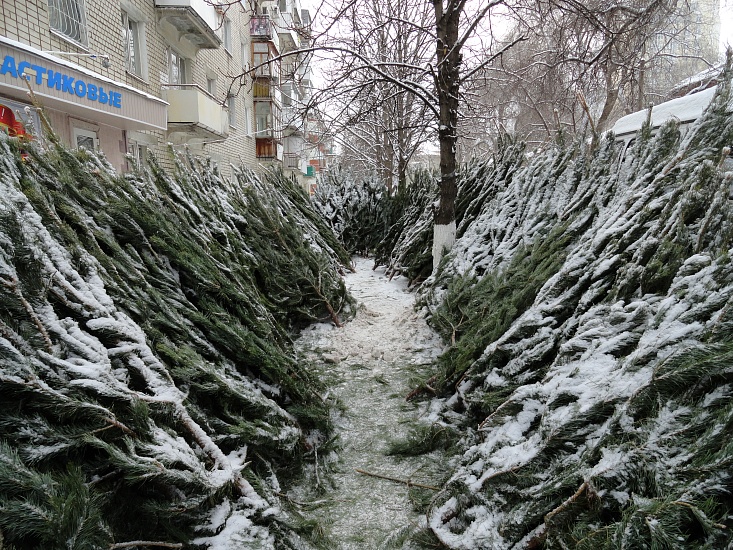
370, 362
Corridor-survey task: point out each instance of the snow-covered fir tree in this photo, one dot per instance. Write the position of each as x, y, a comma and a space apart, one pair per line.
586, 389
150, 387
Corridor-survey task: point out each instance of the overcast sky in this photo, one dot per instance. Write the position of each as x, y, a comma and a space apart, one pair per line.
726, 23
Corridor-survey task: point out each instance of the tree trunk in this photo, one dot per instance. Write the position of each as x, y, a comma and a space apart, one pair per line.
447, 85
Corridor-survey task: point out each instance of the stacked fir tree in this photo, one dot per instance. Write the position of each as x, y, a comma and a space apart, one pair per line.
589, 386
150, 389
393, 227
586, 391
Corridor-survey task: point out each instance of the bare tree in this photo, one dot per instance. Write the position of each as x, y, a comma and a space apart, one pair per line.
381, 124
564, 62
385, 74
586, 63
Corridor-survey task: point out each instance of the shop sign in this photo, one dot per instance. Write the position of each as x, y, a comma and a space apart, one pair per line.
60, 81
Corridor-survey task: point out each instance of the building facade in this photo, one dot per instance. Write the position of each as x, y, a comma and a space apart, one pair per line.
282, 88
691, 46
129, 77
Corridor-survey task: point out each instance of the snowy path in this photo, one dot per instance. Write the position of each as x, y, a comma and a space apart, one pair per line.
370, 362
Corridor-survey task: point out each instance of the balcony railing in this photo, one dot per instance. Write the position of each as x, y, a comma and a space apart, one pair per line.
292, 117
286, 30
268, 148
291, 161
260, 26
268, 70
196, 20
194, 111
263, 90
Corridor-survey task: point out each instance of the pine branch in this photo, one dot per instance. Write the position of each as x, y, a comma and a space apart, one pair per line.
13, 284
567, 503
114, 423
694, 508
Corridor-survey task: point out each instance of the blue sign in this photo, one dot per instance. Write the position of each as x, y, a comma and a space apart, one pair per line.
63, 82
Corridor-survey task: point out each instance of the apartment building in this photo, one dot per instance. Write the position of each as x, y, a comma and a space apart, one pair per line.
282, 88
130, 77
690, 46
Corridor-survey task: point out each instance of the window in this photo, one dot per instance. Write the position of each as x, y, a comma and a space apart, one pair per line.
260, 55
140, 153
261, 60
287, 94
67, 18
288, 71
211, 85
226, 34
86, 139
177, 68
231, 103
244, 52
263, 119
132, 40
247, 120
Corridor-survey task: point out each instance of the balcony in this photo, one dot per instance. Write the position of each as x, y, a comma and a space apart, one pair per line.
268, 148
194, 20
292, 119
286, 30
194, 112
263, 90
261, 27
267, 70
291, 161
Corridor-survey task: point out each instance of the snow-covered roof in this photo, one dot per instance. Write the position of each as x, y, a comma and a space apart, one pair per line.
684, 109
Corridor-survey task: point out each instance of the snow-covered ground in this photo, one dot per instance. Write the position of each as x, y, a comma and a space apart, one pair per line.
370, 362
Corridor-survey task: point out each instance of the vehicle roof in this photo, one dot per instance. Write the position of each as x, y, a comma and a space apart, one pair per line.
684, 109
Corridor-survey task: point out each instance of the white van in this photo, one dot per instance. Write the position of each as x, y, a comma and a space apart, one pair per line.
686, 110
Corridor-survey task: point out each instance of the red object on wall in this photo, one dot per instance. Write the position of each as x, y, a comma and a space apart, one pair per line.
7, 119
10, 124
18, 129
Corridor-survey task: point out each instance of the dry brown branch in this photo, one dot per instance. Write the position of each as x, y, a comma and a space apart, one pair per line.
586, 110
328, 305
539, 539
692, 506
576, 495
114, 423
334, 317
13, 285
486, 420
422, 389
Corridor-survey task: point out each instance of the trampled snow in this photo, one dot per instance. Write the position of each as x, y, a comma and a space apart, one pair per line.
369, 363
